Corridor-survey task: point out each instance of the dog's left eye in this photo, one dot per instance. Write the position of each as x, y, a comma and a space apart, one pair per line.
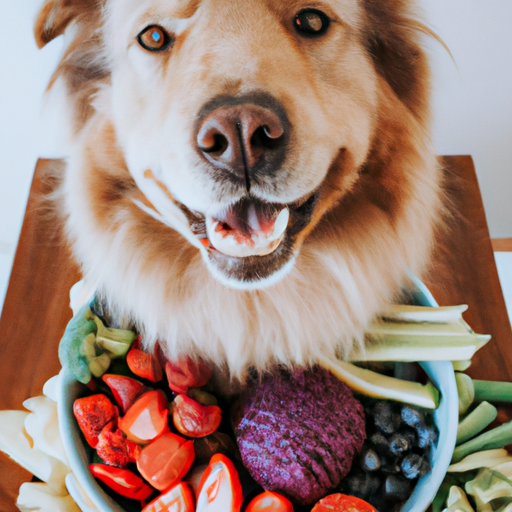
311, 22
154, 39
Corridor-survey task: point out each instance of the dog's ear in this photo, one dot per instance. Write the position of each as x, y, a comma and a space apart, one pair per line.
393, 41
53, 18
55, 15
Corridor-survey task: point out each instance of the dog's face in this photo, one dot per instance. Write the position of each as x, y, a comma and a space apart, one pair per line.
243, 109
291, 140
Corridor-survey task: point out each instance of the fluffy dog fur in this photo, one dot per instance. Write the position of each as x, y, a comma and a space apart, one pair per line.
357, 99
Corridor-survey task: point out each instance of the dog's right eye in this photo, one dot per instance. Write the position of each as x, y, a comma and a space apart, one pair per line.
154, 38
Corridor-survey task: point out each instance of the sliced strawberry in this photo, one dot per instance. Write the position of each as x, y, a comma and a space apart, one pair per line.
114, 448
92, 413
220, 489
177, 499
342, 503
143, 364
186, 373
166, 460
193, 419
122, 481
124, 389
269, 502
146, 419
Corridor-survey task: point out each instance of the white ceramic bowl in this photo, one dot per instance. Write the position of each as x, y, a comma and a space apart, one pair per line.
446, 418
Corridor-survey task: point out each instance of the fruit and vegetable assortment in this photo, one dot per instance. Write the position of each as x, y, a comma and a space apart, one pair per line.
161, 440
480, 476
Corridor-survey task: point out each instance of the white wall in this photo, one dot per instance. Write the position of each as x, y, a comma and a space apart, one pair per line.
472, 104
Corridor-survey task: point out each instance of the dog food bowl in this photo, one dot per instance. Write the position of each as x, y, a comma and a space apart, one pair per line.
446, 419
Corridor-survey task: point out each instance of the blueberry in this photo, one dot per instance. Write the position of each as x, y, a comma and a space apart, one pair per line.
397, 487
369, 460
399, 444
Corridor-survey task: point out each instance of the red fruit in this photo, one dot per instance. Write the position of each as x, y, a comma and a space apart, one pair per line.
220, 489
177, 499
114, 448
92, 413
193, 419
269, 502
124, 389
166, 460
143, 364
342, 503
186, 373
122, 481
146, 419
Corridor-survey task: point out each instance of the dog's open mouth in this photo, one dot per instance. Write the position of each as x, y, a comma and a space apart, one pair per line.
247, 228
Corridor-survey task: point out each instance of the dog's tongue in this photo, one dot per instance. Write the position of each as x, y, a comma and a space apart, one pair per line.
248, 228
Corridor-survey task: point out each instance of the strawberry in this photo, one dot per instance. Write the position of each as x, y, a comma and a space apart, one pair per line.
193, 419
187, 373
220, 489
146, 419
124, 389
166, 460
114, 448
92, 414
178, 498
269, 501
143, 364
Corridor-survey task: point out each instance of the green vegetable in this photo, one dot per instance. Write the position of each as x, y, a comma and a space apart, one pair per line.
487, 486
505, 467
71, 352
87, 346
492, 391
461, 366
496, 438
116, 342
476, 421
419, 314
465, 390
380, 386
482, 459
503, 505
413, 333
458, 501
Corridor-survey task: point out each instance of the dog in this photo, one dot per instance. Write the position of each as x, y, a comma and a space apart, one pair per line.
247, 181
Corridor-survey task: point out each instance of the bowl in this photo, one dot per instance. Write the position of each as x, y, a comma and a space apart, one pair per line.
445, 417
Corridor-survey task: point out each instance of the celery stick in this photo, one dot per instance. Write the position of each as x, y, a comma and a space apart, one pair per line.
495, 438
380, 386
476, 421
425, 314
482, 459
465, 391
419, 347
493, 391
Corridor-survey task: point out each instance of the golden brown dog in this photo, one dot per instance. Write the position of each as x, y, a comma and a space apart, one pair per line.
248, 180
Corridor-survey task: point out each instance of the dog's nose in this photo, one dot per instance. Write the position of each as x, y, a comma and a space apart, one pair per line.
242, 139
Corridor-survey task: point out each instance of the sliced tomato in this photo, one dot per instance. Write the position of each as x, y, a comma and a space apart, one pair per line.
125, 389
342, 503
146, 419
220, 489
143, 364
122, 481
177, 499
92, 413
269, 501
187, 373
193, 419
166, 460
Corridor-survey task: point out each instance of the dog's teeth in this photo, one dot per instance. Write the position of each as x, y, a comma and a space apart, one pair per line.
280, 224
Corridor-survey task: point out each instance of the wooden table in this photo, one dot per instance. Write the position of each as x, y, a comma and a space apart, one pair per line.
36, 307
